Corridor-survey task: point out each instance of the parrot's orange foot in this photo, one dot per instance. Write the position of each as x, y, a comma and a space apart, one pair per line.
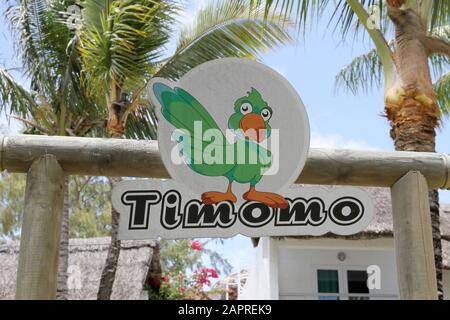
216, 197
270, 199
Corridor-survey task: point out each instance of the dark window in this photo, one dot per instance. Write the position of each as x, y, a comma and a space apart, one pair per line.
357, 284
328, 282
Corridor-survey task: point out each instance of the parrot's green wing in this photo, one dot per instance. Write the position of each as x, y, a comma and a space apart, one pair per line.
183, 111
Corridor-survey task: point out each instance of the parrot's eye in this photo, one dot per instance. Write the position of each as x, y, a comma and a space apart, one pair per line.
246, 108
266, 114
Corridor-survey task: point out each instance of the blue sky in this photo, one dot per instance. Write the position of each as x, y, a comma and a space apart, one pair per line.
338, 119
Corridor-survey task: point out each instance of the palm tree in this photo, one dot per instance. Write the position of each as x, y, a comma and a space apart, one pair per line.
57, 103
413, 105
122, 48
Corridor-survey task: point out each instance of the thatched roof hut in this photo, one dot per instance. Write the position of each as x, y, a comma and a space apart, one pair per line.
86, 260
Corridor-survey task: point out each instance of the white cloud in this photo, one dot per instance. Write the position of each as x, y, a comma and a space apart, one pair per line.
336, 141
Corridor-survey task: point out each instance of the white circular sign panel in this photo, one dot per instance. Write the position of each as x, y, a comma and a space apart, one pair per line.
217, 86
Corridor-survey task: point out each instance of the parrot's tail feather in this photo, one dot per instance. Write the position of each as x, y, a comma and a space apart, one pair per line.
185, 113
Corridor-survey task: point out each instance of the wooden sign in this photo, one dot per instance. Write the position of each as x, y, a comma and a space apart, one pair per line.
157, 208
234, 136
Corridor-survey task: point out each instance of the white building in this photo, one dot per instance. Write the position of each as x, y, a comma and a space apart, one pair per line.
335, 267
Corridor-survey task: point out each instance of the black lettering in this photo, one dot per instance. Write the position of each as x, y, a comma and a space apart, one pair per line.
199, 215
248, 216
302, 212
346, 211
170, 215
140, 203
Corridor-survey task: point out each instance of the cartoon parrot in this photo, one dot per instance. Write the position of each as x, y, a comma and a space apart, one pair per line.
250, 122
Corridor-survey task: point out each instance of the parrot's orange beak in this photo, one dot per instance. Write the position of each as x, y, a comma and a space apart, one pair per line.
253, 126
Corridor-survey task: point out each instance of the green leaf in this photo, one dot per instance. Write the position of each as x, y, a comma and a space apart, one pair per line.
364, 73
121, 40
442, 88
51, 61
14, 95
225, 29
440, 15
221, 29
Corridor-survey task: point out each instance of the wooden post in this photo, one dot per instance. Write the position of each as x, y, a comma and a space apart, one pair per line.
39, 243
413, 238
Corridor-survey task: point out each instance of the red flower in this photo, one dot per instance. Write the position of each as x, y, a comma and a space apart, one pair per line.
165, 278
210, 272
214, 273
155, 282
197, 245
182, 290
202, 276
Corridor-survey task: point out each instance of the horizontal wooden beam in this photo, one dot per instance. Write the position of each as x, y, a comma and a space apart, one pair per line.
140, 158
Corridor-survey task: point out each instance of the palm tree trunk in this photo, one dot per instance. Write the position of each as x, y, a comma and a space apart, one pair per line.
154, 269
437, 240
116, 128
411, 105
63, 260
112, 259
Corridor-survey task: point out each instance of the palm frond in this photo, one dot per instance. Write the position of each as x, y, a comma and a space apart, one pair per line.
31, 23
440, 63
14, 95
302, 12
347, 22
95, 11
364, 73
121, 41
225, 29
441, 32
343, 17
142, 124
442, 88
440, 15
222, 29
51, 60
347, 15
